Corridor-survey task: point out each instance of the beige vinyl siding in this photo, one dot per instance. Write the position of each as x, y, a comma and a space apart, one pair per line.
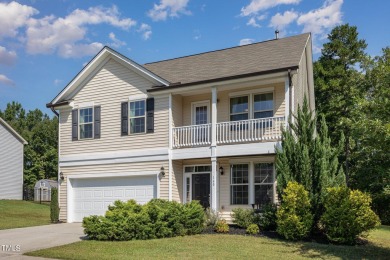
115, 169
187, 106
300, 81
177, 104
177, 181
63, 200
224, 186
110, 86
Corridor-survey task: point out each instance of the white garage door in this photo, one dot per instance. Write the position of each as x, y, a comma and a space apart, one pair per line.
92, 196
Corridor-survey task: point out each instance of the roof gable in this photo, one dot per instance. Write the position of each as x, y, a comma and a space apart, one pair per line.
12, 131
95, 64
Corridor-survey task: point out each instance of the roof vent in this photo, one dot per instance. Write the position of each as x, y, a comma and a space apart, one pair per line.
276, 34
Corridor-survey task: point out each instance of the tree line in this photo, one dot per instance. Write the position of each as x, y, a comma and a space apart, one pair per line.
41, 133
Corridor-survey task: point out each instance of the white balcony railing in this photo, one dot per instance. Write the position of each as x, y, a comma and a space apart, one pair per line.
244, 131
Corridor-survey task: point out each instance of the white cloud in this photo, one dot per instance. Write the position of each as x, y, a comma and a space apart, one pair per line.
246, 41
256, 6
63, 35
6, 81
7, 57
14, 16
171, 8
116, 43
319, 20
146, 31
280, 21
57, 82
253, 20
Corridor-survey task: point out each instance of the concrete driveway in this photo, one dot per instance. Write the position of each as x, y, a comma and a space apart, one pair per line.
15, 242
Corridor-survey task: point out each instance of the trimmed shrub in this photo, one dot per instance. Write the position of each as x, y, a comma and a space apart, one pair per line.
252, 229
221, 226
294, 219
54, 208
266, 220
347, 215
211, 217
156, 219
243, 217
379, 202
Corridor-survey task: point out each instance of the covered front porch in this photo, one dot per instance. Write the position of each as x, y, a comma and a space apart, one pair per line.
233, 182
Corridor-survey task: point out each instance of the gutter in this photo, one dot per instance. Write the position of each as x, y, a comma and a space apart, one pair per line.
52, 106
259, 73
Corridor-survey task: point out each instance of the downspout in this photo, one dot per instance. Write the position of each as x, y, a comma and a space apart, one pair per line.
290, 93
54, 111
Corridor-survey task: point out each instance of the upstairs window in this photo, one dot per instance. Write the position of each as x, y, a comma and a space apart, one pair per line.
137, 116
263, 105
86, 123
239, 108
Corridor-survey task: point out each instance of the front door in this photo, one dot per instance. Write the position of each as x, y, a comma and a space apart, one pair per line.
201, 188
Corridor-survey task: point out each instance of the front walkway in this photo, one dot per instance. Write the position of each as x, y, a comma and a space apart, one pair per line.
15, 242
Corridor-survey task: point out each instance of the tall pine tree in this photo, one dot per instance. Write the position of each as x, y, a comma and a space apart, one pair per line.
308, 157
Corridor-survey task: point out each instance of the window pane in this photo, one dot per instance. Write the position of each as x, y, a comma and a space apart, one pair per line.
137, 108
264, 172
238, 105
137, 125
240, 173
239, 194
189, 169
86, 115
263, 114
263, 102
239, 117
86, 131
263, 194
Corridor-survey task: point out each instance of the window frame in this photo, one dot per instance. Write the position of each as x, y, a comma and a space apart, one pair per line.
239, 184
251, 104
251, 180
79, 123
264, 183
144, 116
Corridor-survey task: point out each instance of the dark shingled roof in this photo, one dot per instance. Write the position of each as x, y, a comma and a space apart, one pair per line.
248, 59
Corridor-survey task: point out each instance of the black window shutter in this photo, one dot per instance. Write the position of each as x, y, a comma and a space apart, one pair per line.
96, 115
150, 115
125, 118
75, 127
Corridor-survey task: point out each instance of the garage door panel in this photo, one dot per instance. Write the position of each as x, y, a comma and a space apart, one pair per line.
93, 196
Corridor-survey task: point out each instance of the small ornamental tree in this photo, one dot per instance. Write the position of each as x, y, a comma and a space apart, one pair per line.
294, 219
54, 208
307, 157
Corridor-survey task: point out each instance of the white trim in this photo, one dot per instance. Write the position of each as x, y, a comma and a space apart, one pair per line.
9, 128
170, 165
214, 184
79, 124
106, 175
138, 97
191, 153
246, 149
135, 117
84, 105
252, 91
197, 104
104, 54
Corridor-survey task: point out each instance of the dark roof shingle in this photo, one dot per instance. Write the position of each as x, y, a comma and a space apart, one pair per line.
253, 58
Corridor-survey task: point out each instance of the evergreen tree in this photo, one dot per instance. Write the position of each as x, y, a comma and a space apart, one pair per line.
307, 157
339, 85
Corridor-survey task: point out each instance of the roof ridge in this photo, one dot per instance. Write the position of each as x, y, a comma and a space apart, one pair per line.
223, 49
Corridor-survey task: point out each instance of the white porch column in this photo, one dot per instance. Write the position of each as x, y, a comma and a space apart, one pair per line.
214, 168
170, 170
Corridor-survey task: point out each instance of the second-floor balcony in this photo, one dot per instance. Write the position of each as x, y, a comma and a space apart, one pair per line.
232, 132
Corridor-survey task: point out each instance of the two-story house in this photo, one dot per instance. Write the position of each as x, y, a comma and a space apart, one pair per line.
200, 127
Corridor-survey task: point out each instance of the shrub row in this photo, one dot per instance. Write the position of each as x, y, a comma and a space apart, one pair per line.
156, 219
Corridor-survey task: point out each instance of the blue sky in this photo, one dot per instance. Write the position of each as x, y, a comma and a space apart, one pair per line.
45, 43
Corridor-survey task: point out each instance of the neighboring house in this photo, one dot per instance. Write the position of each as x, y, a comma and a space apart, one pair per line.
42, 189
201, 127
11, 163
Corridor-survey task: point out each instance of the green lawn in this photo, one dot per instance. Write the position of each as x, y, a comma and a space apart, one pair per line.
221, 247
17, 213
